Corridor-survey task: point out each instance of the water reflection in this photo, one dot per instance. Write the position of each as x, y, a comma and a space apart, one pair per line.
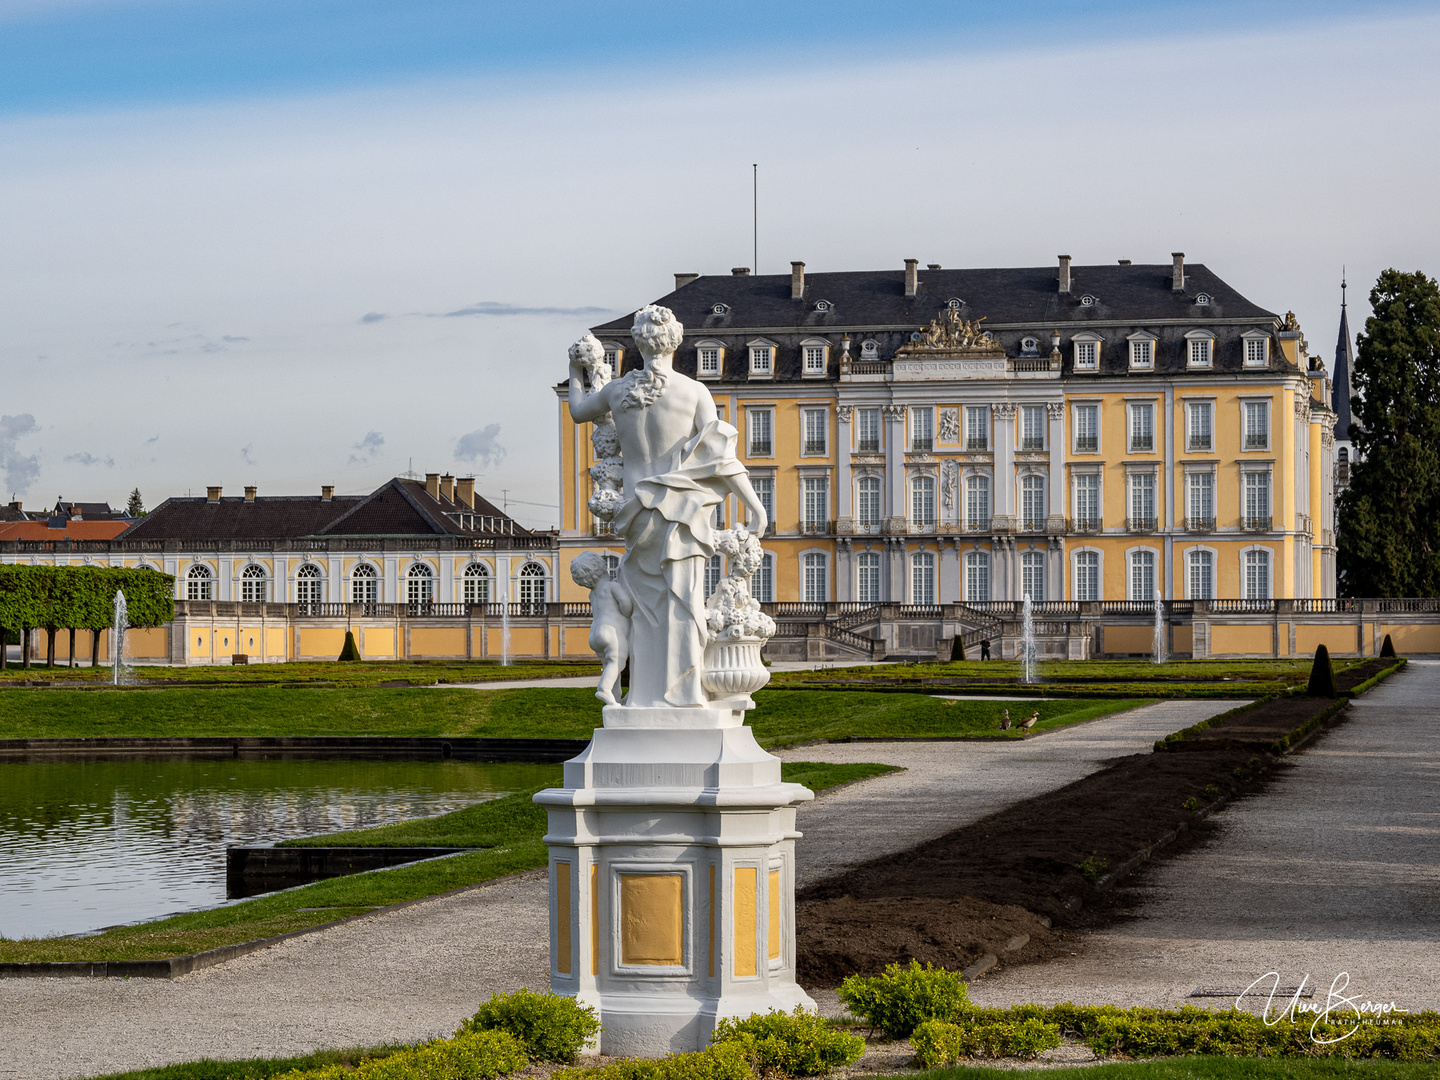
92, 843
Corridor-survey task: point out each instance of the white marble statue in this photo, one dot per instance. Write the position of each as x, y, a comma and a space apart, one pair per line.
679, 463
610, 626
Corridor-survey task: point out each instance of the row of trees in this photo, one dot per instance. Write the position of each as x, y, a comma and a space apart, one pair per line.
55, 598
1388, 518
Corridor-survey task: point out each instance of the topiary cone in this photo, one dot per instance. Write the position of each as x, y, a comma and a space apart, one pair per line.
1387, 647
350, 651
957, 648
1322, 675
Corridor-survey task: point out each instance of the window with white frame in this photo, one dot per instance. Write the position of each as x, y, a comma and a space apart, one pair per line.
977, 503
868, 500
1200, 500
816, 491
977, 427
533, 591
1032, 427
614, 356
1142, 353
419, 585
1142, 500
1257, 350
760, 429
867, 577
714, 573
765, 491
477, 583
1257, 499
198, 581
1087, 501
762, 360
816, 433
309, 584
720, 514
1200, 574
762, 582
252, 584
869, 350
977, 577
1087, 575
708, 360
922, 578
1032, 576
815, 577
1087, 429
1257, 574
814, 356
364, 584
867, 431
922, 428
1200, 438
1257, 425
1032, 503
1087, 354
1142, 575
1142, 427
612, 565
922, 502
1201, 351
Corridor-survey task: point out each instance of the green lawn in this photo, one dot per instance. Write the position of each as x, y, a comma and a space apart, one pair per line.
781, 718
1207, 1068
326, 673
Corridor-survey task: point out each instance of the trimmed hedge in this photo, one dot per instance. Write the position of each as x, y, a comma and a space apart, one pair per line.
1322, 674
551, 1027
938, 1043
82, 597
728, 1061
790, 1044
481, 1055
902, 998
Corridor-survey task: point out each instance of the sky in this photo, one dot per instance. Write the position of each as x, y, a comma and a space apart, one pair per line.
301, 242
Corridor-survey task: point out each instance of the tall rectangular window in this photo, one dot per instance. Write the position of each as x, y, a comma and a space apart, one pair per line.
1142, 501
762, 582
1257, 500
1032, 576
1202, 575
1032, 427
977, 503
1032, 503
709, 360
762, 360
814, 359
922, 578
977, 577
867, 431
1142, 428
977, 428
1256, 352
816, 432
761, 425
1087, 355
765, 490
1202, 427
815, 573
922, 429
1200, 352
1087, 501
1142, 575
714, 572
1200, 500
868, 497
1142, 354
817, 503
1257, 574
1087, 575
1087, 429
1257, 425
867, 577
922, 502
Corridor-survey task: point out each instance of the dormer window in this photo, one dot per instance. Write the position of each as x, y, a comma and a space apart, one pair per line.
1029, 346
762, 359
815, 358
822, 305
1202, 299
1087, 352
1199, 349
709, 356
720, 309
954, 303
614, 356
869, 350
1257, 349
1087, 300
1142, 352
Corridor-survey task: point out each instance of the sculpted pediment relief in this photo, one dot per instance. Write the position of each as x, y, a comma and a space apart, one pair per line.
951, 335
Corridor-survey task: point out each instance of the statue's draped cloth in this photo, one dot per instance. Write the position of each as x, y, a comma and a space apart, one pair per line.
668, 524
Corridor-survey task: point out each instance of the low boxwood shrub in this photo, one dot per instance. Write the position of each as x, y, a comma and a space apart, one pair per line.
903, 998
938, 1043
481, 1055
552, 1027
728, 1061
790, 1044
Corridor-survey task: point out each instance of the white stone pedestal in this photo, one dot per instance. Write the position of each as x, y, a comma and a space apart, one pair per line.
672, 877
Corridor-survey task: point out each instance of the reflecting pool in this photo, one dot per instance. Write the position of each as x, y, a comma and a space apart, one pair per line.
91, 843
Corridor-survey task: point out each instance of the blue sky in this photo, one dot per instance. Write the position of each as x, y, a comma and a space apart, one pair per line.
299, 243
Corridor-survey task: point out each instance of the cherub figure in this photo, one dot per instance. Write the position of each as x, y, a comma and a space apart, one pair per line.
610, 626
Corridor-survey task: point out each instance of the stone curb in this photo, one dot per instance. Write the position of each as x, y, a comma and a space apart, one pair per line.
546, 751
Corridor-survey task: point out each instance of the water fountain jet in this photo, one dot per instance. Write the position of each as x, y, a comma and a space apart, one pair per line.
120, 622
1027, 640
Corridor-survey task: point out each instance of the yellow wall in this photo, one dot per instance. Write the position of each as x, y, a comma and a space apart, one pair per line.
1413, 639
577, 641
1242, 639
437, 641
1337, 639
1129, 639
377, 642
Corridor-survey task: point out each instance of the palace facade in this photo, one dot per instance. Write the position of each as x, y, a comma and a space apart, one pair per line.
1070, 433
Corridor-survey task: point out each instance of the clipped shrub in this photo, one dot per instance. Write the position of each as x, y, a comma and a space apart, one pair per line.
792, 1044
552, 1027
481, 1055
349, 651
957, 648
938, 1043
728, 1061
1387, 647
903, 998
1092, 867
1322, 675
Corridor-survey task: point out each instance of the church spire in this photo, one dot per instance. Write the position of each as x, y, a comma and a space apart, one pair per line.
1341, 392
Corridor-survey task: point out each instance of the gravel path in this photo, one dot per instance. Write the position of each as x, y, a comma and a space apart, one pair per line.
1336, 868
417, 972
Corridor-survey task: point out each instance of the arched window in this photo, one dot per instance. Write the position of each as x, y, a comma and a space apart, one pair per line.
977, 503
197, 583
309, 584
762, 582
977, 577
1142, 576
870, 513
477, 583
1201, 565
1257, 574
714, 571
815, 572
1344, 455
252, 584
867, 577
1087, 575
922, 502
922, 578
420, 586
1032, 503
532, 588
364, 584
1032, 576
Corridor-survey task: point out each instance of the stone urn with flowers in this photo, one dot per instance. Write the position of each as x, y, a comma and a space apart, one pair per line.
738, 628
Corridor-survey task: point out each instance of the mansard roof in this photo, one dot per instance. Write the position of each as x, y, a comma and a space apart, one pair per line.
403, 507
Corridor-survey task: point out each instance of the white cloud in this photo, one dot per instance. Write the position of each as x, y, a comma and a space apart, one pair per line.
481, 447
88, 459
20, 470
368, 448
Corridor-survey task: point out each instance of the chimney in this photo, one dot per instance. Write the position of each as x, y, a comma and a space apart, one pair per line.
1064, 273
432, 484
797, 281
75, 514
912, 278
1177, 272
1124, 262
17, 506
681, 280
212, 494
327, 492
447, 488
932, 266
250, 493
465, 491
740, 271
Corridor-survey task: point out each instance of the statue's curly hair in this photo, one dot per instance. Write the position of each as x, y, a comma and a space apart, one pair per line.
656, 330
